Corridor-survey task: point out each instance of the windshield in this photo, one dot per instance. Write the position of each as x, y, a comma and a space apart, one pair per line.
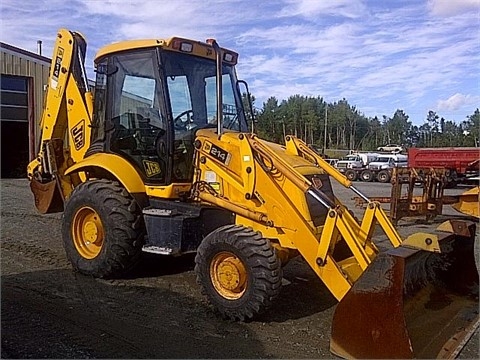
382, 159
191, 86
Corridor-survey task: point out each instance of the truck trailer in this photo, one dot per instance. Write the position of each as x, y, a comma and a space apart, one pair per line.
461, 163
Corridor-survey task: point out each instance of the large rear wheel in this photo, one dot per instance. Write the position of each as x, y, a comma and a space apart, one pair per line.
102, 229
383, 176
238, 271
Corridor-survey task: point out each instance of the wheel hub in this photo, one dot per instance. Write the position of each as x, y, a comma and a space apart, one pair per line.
87, 232
229, 276
90, 232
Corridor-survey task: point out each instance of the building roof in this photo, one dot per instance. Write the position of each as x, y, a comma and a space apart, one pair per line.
24, 53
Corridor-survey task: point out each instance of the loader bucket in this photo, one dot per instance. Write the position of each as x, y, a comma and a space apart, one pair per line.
469, 202
47, 196
411, 303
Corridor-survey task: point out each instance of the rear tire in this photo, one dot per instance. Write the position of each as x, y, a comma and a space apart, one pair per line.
383, 176
366, 175
238, 271
102, 229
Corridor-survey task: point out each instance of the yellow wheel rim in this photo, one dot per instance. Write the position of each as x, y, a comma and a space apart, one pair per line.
88, 233
229, 276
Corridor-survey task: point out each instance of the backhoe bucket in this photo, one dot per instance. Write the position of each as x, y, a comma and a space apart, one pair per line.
47, 196
412, 303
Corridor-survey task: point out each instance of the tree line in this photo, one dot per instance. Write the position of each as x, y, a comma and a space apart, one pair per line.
339, 125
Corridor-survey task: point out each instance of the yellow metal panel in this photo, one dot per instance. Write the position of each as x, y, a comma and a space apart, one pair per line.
123, 171
198, 48
424, 241
172, 191
469, 202
128, 45
79, 121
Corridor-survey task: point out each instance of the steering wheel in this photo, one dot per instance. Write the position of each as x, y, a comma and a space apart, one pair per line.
180, 123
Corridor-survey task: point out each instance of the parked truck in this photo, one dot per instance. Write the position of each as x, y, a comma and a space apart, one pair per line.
382, 167
354, 164
370, 166
461, 163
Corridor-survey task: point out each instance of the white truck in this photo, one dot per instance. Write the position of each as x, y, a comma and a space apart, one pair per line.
353, 165
381, 168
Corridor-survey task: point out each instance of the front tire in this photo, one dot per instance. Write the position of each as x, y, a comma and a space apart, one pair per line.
102, 229
351, 174
238, 271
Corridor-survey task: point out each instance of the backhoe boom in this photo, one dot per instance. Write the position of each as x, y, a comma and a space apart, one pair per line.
66, 117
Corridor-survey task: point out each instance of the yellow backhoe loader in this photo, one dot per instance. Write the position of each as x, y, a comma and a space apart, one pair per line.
158, 157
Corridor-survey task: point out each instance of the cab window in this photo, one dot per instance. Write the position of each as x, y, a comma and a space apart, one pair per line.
138, 120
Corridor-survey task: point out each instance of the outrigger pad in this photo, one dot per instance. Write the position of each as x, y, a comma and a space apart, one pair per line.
47, 196
410, 303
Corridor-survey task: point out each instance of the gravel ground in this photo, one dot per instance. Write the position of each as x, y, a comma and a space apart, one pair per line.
48, 311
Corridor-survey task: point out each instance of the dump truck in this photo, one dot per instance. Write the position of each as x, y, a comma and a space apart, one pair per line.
159, 157
461, 163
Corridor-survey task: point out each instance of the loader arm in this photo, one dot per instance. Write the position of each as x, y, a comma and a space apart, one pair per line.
374, 213
65, 124
267, 192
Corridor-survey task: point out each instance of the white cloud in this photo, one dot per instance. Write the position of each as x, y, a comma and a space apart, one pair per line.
457, 101
314, 8
378, 55
452, 7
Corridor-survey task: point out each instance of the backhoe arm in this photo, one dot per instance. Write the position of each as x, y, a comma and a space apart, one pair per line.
66, 118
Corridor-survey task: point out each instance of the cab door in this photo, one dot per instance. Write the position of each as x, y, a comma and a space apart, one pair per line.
137, 117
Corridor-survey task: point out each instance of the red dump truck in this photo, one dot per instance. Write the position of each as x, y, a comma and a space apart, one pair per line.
461, 163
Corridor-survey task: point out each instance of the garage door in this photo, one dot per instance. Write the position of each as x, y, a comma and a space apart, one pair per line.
14, 125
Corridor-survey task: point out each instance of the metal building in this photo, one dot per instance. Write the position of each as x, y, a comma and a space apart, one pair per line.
23, 76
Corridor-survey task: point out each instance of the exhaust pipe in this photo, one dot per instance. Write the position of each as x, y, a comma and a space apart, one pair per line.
218, 57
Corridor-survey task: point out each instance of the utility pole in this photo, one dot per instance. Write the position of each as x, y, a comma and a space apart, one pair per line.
325, 131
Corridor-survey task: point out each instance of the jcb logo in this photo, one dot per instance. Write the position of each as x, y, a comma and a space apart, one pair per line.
78, 135
152, 168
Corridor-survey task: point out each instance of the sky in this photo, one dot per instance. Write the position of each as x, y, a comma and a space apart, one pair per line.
413, 55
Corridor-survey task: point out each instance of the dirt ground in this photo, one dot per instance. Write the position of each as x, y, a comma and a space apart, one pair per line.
48, 311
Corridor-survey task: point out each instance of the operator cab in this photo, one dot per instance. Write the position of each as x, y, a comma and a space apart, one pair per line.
150, 98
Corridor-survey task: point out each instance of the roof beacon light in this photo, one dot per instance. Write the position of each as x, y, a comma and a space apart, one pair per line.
228, 57
183, 46
186, 47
